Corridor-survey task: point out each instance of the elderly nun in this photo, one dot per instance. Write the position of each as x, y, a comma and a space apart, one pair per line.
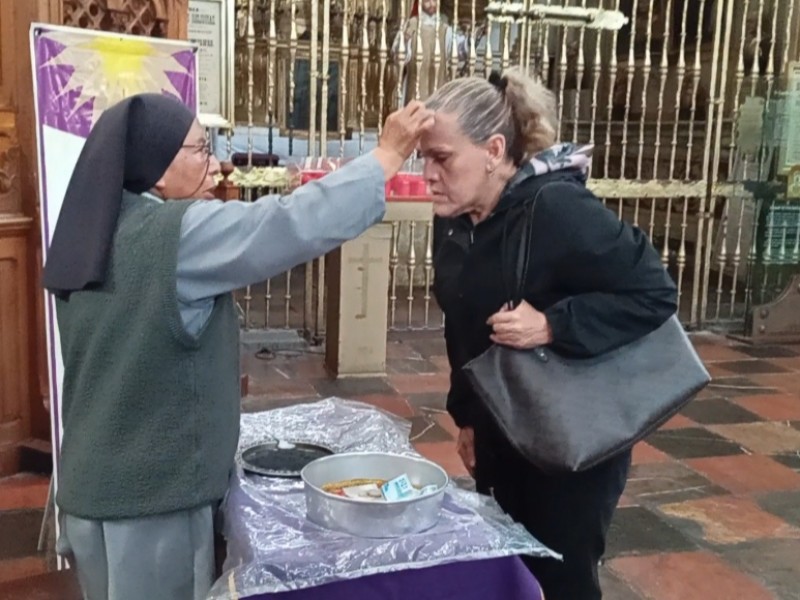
143, 264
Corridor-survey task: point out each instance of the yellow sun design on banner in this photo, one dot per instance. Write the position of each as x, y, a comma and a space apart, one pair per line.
108, 69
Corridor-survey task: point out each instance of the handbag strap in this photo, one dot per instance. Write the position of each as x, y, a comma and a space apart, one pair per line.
515, 288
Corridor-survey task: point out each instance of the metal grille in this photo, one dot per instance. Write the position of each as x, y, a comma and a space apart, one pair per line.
674, 102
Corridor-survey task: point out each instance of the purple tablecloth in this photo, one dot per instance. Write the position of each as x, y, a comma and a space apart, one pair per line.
496, 578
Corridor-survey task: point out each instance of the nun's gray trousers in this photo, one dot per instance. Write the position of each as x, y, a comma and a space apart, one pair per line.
164, 557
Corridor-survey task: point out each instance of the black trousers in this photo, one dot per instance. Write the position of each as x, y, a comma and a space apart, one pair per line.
569, 513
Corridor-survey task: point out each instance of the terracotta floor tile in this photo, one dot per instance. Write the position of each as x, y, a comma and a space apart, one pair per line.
644, 453
279, 383
749, 366
775, 407
641, 530
746, 474
17, 568
773, 562
441, 363
718, 411
614, 588
714, 352
701, 339
431, 346
761, 438
23, 491
444, 454
717, 369
784, 505
428, 402
411, 384
394, 403
792, 364
400, 350
667, 482
352, 387
306, 370
626, 502
696, 442
687, 576
447, 423
768, 351
409, 366
425, 428
787, 383
733, 386
678, 422
730, 520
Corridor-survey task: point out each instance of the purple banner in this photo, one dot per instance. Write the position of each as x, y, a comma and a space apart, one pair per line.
80, 73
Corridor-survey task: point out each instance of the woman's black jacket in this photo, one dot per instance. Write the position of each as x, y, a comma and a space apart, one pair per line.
598, 280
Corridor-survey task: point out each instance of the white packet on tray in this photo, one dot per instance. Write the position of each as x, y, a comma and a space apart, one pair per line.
368, 491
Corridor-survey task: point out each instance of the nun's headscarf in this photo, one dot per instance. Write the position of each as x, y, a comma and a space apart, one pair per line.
129, 148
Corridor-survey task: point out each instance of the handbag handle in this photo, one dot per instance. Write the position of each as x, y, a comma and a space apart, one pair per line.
516, 292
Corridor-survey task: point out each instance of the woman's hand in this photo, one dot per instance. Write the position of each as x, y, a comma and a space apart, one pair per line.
465, 445
400, 136
521, 328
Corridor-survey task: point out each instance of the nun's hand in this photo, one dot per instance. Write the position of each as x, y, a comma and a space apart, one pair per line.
400, 136
521, 328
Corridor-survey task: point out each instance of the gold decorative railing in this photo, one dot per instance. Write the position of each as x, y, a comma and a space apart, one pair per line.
667, 100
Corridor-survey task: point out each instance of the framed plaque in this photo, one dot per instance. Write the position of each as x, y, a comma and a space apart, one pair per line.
211, 28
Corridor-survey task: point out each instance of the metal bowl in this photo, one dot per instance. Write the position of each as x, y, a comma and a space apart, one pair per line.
366, 518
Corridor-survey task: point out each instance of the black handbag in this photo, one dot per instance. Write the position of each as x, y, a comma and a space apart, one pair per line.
567, 414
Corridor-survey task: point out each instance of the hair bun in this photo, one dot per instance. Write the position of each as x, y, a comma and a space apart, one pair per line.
499, 81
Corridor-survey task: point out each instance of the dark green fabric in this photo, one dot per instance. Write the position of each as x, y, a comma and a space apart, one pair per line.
150, 412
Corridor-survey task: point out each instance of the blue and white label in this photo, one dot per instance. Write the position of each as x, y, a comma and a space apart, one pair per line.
398, 488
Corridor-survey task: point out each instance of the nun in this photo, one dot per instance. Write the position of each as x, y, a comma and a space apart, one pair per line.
143, 264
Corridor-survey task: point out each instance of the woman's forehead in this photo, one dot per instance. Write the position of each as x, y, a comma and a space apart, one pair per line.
445, 130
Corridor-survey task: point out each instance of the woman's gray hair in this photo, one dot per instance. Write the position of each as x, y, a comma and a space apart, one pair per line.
524, 112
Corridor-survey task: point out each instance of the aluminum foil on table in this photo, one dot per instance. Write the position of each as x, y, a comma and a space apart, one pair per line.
272, 547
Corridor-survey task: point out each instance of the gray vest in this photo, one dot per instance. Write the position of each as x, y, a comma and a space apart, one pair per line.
150, 413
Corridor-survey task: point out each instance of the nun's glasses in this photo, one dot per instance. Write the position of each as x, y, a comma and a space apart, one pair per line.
203, 148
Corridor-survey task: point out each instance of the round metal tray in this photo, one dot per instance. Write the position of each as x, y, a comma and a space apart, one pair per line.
365, 518
284, 458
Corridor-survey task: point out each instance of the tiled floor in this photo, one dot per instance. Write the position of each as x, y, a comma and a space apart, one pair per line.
712, 506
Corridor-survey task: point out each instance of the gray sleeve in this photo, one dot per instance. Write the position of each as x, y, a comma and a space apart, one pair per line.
225, 246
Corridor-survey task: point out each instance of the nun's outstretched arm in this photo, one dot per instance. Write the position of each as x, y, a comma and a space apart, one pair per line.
225, 246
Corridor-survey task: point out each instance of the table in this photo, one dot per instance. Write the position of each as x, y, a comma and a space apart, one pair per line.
275, 552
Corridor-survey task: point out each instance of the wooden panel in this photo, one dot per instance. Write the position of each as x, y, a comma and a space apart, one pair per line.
6, 53
177, 12
14, 343
157, 18
10, 196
